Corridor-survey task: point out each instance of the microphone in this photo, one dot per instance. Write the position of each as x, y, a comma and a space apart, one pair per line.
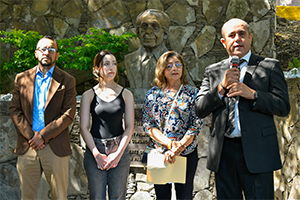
235, 62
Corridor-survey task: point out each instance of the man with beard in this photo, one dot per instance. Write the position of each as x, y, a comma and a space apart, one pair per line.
42, 108
152, 30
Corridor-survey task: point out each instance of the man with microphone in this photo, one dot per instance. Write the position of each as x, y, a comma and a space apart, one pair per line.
243, 93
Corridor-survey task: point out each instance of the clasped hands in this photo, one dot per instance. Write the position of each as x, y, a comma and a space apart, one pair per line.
176, 149
234, 87
105, 162
37, 141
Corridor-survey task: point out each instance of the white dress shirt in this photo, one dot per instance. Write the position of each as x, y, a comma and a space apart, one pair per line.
243, 68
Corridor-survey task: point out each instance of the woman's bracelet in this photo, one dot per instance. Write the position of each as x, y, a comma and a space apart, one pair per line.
170, 144
182, 144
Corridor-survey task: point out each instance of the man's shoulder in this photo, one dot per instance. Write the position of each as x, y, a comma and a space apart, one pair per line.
61, 72
133, 57
261, 59
133, 54
217, 65
26, 73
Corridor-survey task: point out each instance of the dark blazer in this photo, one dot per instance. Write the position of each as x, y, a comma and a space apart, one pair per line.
59, 110
259, 135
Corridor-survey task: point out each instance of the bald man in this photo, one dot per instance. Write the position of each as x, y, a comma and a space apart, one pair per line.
243, 147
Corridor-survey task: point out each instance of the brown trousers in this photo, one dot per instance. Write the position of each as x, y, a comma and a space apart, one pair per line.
56, 169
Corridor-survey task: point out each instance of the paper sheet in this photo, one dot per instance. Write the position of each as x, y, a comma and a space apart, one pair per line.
155, 161
171, 173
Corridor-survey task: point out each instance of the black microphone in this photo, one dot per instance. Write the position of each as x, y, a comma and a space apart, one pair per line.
235, 62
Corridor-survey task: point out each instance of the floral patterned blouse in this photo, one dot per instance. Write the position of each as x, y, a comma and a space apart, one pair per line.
182, 120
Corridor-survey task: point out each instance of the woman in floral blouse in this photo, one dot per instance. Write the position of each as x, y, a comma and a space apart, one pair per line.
170, 120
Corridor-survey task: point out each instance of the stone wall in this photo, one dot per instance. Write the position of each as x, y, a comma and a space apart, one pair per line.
286, 180
194, 31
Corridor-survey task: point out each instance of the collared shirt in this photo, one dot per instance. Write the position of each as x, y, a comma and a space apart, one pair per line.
243, 68
41, 87
156, 53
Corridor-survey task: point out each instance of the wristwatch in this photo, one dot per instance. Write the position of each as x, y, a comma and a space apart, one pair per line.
255, 95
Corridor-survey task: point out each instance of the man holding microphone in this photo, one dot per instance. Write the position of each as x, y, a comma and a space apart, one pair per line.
243, 97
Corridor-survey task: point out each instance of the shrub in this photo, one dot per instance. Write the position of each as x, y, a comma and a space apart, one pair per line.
76, 52
294, 64
23, 58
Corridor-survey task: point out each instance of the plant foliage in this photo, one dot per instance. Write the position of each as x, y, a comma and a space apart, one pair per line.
76, 52
25, 42
294, 64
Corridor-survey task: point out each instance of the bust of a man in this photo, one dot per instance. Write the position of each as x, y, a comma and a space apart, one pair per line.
152, 29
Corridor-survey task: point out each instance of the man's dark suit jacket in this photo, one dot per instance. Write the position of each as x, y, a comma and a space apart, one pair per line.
59, 110
259, 135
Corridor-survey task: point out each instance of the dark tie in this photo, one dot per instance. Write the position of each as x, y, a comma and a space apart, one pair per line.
231, 109
148, 70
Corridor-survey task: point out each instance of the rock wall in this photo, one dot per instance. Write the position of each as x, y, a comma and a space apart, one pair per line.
195, 29
286, 180
194, 32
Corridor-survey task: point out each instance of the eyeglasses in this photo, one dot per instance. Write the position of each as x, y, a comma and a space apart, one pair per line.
50, 50
177, 65
155, 26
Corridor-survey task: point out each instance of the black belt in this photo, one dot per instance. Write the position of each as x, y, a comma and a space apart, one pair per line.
235, 139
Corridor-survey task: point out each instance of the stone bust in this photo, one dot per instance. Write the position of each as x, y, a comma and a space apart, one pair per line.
152, 29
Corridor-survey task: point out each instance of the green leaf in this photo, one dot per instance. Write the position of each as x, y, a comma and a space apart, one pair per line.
296, 62
76, 52
291, 65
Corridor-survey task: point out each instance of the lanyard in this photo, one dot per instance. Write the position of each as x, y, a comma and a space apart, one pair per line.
173, 105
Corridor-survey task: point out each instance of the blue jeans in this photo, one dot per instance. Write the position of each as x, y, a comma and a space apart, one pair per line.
115, 179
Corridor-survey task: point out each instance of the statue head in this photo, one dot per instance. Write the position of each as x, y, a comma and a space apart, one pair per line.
152, 28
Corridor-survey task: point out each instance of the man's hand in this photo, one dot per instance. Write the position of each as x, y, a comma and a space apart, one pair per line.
240, 89
37, 141
231, 76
